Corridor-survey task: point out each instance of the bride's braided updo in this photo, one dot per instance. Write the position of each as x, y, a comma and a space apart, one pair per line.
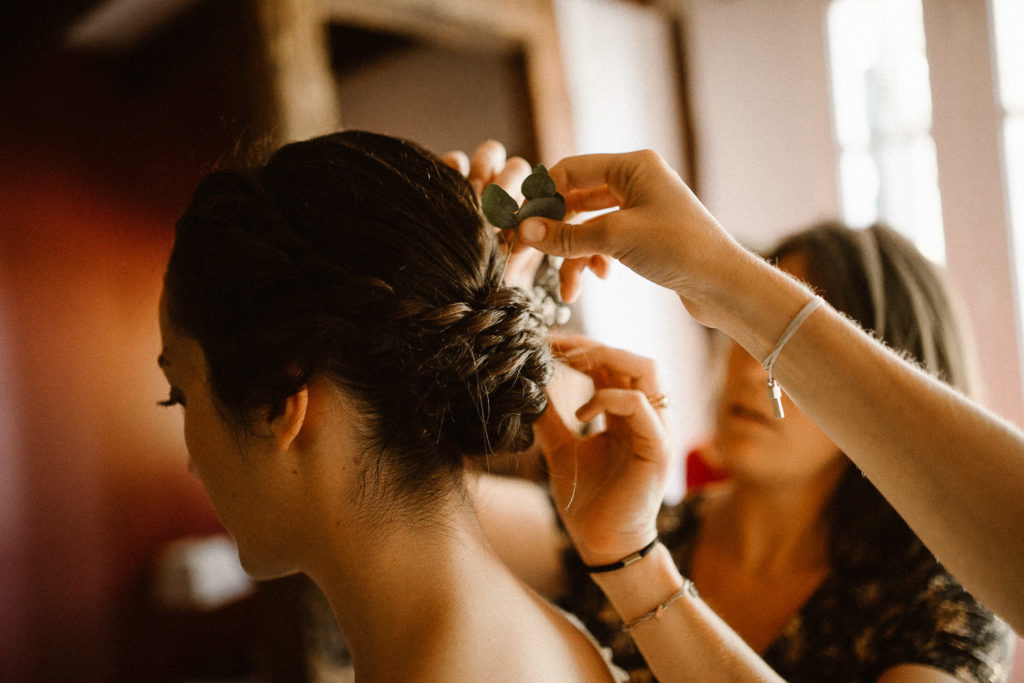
361, 258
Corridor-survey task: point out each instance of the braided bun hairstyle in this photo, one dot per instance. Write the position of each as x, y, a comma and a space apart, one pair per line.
361, 258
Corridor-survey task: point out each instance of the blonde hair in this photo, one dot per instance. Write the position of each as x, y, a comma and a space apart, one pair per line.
881, 281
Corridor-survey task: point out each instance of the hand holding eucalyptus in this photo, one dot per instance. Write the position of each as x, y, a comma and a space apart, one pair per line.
542, 199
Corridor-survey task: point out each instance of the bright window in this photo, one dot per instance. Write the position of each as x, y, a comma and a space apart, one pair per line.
883, 116
1007, 18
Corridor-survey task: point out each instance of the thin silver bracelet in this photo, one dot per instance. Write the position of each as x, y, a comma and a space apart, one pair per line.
686, 589
774, 390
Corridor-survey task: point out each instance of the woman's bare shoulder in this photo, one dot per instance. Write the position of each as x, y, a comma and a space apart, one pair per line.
526, 640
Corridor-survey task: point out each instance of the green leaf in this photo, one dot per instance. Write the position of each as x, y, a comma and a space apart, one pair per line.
499, 207
548, 207
539, 183
542, 199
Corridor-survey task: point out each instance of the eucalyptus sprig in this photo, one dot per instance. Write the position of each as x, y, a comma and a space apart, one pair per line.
542, 199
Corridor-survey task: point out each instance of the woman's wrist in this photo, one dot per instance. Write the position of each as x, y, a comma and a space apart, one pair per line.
642, 585
752, 302
605, 553
623, 562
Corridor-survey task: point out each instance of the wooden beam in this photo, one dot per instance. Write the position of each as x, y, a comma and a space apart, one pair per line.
295, 44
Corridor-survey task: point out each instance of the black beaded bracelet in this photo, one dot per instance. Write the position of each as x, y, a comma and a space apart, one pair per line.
624, 562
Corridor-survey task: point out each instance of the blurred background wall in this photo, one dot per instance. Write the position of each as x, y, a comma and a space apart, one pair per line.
99, 156
111, 112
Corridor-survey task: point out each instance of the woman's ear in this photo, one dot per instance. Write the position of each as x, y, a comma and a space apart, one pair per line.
285, 427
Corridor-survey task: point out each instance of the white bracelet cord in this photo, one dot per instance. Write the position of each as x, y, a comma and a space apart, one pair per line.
774, 390
686, 589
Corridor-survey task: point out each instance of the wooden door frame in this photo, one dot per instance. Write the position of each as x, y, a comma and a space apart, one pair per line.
305, 98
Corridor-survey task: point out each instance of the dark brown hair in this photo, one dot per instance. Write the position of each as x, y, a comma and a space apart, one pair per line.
364, 259
880, 280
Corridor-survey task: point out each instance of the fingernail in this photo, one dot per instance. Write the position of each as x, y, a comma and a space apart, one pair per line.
585, 414
532, 230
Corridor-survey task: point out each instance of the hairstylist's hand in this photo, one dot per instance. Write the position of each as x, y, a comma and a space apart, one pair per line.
661, 231
609, 486
490, 164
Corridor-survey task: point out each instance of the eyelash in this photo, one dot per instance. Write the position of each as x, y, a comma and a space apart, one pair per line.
175, 399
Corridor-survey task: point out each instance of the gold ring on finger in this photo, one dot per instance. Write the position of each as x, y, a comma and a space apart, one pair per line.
659, 401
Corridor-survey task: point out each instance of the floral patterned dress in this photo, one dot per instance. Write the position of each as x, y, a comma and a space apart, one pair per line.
858, 624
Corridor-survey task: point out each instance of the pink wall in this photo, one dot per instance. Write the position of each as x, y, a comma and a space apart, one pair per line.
761, 113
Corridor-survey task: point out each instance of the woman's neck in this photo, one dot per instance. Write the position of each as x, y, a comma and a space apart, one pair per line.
399, 595
771, 529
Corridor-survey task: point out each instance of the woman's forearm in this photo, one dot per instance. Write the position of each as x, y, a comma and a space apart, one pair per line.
687, 641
